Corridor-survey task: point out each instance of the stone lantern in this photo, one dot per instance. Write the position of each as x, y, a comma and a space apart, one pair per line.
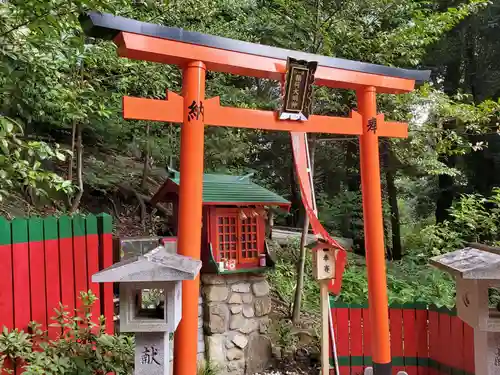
151, 302
476, 270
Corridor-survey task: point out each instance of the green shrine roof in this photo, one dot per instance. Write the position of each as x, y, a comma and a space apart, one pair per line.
218, 188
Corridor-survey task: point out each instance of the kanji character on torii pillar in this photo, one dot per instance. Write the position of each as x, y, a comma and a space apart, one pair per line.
195, 53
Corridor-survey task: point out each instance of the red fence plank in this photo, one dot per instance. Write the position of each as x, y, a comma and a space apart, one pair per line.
434, 350
7, 281
80, 258
356, 340
37, 272
21, 268
92, 243
468, 349
52, 272
67, 267
445, 354
104, 226
367, 338
343, 350
410, 341
334, 317
422, 340
396, 332
457, 344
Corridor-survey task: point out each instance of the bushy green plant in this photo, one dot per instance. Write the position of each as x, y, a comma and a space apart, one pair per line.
82, 348
281, 333
151, 298
408, 281
21, 162
208, 368
473, 218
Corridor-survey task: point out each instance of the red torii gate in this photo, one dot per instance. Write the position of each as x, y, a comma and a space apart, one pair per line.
195, 53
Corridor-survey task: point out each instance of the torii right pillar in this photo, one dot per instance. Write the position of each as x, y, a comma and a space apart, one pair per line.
374, 232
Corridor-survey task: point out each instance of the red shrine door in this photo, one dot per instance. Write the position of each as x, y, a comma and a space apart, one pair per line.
234, 237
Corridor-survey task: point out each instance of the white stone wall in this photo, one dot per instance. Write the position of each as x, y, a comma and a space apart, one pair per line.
235, 311
201, 336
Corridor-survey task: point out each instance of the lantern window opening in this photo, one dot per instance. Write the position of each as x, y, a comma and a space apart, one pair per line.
149, 303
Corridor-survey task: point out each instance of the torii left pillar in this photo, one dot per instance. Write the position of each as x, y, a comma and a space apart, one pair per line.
190, 210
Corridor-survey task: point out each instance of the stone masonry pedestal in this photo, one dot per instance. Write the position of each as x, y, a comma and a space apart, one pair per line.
236, 309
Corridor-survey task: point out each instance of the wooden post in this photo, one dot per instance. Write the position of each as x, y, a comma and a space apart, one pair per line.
374, 233
324, 272
325, 326
190, 212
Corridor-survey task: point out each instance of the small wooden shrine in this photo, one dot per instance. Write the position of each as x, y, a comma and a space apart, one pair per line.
235, 211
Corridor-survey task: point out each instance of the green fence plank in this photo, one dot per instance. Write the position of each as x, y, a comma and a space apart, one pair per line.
105, 223
423, 362
19, 230
78, 225
5, 232
411, 361
414, 306
65, 227
35, 229
344, 361
50, 230
91, 224
354, 361
357, 360
398, 361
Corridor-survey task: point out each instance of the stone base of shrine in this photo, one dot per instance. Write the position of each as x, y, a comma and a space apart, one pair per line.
236, 322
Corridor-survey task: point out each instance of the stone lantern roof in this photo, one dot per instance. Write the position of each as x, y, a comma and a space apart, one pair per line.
156, 265
472, 263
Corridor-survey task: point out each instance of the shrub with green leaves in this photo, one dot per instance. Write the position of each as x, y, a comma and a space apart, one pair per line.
408, 281
473, 218
82, 347
21, 162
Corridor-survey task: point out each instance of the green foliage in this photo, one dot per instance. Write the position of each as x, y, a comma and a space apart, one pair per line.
83, 347
151, 298
474, 218
282, 334
283, 279
208, 368
21, 162
408, 281
53, 78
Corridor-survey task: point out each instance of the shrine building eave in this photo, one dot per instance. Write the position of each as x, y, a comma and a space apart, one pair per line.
229, 55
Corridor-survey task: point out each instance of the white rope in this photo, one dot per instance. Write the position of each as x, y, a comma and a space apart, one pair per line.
334, 344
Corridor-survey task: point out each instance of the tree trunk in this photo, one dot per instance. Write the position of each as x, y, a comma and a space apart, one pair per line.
446, 183
270, 224
393, 203
353, 185
147, 152
295, 199
297, 301
446, 190
451, 85
79, 169
72, 156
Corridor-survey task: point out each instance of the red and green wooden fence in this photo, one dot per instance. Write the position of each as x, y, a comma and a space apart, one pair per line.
44, 261
425, 340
